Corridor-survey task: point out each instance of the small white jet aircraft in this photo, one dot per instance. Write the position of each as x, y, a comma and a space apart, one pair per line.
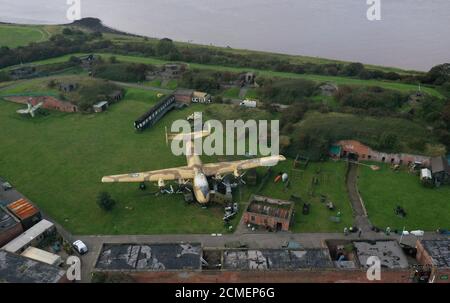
30, 109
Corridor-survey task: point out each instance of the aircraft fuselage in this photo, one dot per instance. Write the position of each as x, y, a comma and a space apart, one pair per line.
200, 182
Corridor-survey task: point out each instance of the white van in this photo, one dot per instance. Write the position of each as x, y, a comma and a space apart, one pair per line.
248, 103
80, 247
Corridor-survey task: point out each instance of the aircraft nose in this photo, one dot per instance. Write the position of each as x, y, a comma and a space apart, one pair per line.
202, 199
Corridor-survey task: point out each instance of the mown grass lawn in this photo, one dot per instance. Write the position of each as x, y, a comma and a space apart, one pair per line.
59, 160
14, 35
251, 94
331, 176
231, 93
384, 190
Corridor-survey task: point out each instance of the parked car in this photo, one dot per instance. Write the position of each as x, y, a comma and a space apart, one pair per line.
80, 247
248, 103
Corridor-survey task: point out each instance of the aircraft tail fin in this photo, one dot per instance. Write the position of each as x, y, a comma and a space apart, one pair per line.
187, 136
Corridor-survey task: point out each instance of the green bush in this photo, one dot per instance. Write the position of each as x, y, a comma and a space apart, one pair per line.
105, 201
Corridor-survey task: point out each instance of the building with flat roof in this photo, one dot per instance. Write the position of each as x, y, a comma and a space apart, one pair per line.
269, 213
435, 255
276, 259
19, 269
434, 252
150, 257
10, 226
184, 95
201, 97
389, 252
32, 236
41, 256
440, 170
25, 211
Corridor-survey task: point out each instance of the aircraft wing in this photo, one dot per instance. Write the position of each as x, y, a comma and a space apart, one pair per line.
23, 111
37, 106
153, 176
222, 168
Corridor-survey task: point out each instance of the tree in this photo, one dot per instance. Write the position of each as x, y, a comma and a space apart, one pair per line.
67, 31
4, 77
112, 59
165, 47
438, 75
74, 60
105, 201
353, 69
388, 141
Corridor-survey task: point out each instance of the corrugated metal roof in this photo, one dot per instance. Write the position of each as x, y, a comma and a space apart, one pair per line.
23, 209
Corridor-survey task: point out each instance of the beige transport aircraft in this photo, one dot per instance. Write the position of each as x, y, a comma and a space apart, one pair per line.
195, 169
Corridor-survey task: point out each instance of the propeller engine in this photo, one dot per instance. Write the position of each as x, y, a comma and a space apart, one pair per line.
161, 183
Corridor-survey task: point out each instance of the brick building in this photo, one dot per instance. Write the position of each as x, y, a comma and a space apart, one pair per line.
18, 269
440, 170
184, 95
10, 227
269, 213
436, 255
48, 103
355, 150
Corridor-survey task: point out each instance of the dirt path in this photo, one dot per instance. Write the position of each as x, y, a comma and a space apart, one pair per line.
359, 211
243, 92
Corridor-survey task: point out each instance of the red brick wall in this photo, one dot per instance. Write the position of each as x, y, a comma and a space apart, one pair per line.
363, 151
425, 259
49, 103
271, 221
10, 234
183, 99
307, 276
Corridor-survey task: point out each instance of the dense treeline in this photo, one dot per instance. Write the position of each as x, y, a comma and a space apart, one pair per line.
286, 91
203, 80
118, 71
370, 98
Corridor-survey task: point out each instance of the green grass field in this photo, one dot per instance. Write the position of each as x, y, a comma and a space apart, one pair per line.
266, 73
231, 93
37, 86
15, 35
382, 191
58, 161
331, 177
